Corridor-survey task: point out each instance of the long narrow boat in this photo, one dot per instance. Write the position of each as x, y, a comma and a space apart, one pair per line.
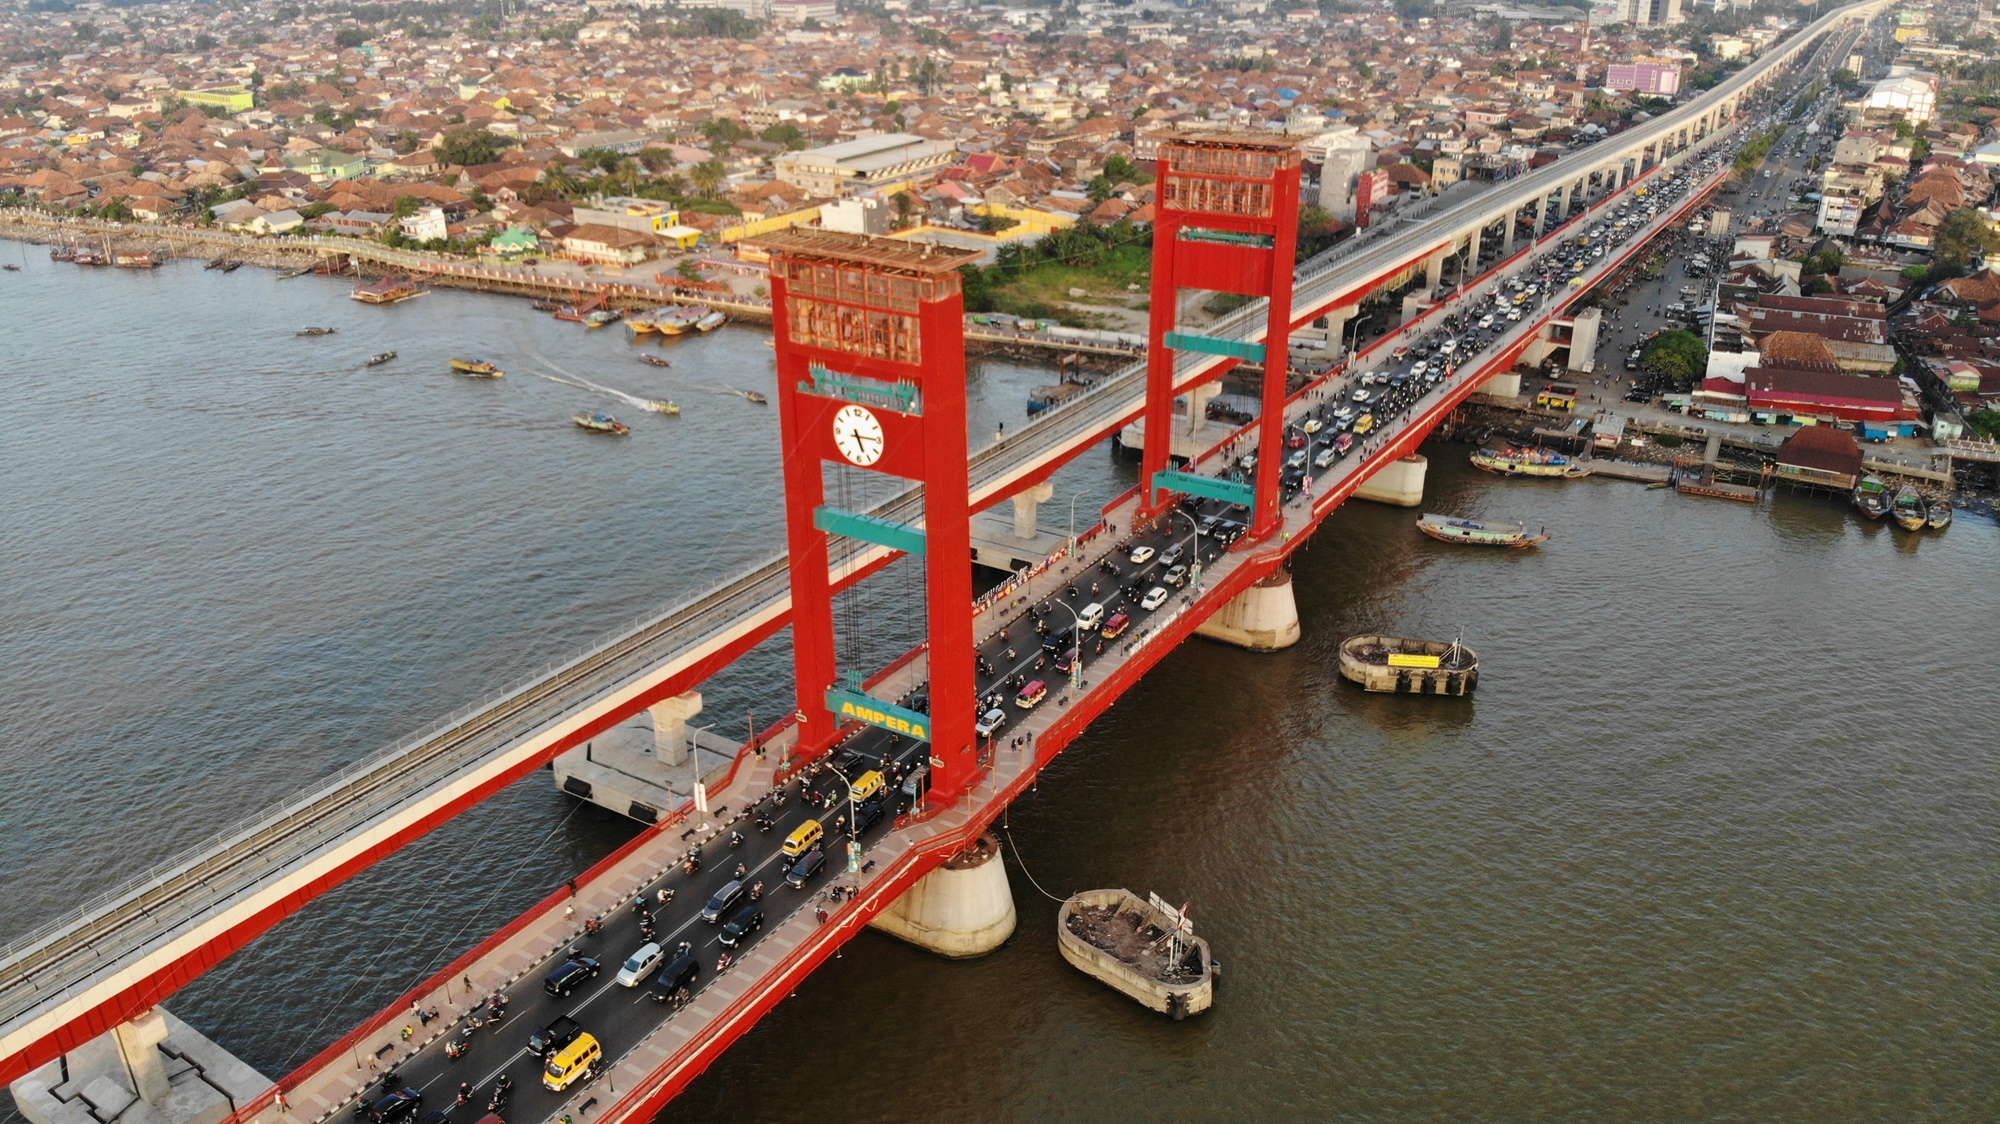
1908, 509
654, 360
315, 331
1940, 516
681, 319
1871, 497
1477, 532
602, 423
378, 360
711, 322
1513, 460
477, 368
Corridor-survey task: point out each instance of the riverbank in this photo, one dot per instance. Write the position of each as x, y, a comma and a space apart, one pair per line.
361, 259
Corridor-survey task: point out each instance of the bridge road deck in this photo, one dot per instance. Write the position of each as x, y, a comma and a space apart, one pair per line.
148, 937
677, 1048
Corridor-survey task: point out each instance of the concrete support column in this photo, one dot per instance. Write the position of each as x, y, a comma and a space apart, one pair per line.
1506, 384
1337, 321
670, 719
1263, 618
1027, 505
1198, 397
125, 1076
1434, 269
1583, 339
139, 1047
960, 910
1400, 482
1507, 239
1472, 242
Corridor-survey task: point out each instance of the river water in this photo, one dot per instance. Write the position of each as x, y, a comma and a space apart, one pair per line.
1715, 839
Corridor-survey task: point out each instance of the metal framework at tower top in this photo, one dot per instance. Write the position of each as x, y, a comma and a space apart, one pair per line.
870, 341
1226, 219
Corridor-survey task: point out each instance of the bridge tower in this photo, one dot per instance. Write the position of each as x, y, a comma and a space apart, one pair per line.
870, 339
1226, 218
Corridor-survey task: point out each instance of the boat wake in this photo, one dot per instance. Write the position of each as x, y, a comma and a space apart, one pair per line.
581, 383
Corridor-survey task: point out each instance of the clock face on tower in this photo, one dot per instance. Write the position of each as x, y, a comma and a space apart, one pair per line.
858, 435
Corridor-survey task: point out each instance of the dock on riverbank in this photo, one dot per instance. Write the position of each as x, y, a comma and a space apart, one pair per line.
362, 259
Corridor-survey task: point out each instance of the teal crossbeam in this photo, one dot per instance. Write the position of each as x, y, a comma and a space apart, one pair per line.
1212, 345
1228, 491
868, 528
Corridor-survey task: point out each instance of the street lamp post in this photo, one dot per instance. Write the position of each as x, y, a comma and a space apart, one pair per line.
694, 759
853, 832
1194, 545
1072, 520
1076, 644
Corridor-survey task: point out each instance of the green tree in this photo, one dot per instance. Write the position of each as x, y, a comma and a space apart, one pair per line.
785, 133
688, 270
1816, 285
1676, 356
348, 38
559, 180
1100, 188
406, 205
468, 144
1963, 233
1120, 170
707, 176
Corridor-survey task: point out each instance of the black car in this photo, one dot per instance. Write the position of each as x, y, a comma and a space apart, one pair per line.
554, 1036
679, 975
867, 816
395, 1108
570, 976
724, 900
802, 872
748, 920
1060, 641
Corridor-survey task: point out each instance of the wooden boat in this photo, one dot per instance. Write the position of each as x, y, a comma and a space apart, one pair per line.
1513, 460
231, 266
1477, 532
137, 259
1908, 509
654, 360
663, 406
477, 368
679, 319
756, 397
11, 267
711, 322
1940, 514
602, 423
601, 317
548, 306
378, 360
315, 331
215, 263
291, 273
1871, 497
388, 290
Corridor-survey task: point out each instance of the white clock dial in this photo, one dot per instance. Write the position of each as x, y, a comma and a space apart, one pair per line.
857, 433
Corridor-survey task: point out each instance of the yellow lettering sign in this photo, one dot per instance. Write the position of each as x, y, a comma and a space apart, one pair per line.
887, 721
1406, 659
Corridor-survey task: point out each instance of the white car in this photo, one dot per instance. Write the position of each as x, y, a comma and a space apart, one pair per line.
1419, 367
1486, 321
1142, 555
989, 722
641, 965
1362, 396
1155, 597
1314, 425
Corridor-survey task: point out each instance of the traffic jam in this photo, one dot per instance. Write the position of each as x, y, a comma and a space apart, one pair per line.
525, 1049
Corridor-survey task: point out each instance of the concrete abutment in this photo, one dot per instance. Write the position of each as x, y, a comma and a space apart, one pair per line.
1263, 618
961, 910
155, 1069
1400, 482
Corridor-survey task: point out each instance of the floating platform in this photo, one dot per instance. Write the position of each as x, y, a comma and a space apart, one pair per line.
1143, 949
1395, 665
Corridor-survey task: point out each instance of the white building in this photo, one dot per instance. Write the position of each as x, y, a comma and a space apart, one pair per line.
863, 163
425, 224
799, 11
1912, 97
1344, 154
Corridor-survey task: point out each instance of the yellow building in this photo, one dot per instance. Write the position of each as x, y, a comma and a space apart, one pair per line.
232, 99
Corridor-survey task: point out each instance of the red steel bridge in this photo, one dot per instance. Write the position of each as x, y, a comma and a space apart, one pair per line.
869, 344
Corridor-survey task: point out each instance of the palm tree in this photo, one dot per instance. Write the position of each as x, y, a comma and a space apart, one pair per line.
559, 179
706, 176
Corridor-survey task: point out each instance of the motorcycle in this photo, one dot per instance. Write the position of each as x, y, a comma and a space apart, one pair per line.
763, 825
735, 840
756, 891
741, 871
500, 1091
455, 1048
693, 864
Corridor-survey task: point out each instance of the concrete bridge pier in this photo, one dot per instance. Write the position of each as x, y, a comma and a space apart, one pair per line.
1027, 506
1506, 384
961, 910
1400, 482
1434, 268
155, 1069
1263, 618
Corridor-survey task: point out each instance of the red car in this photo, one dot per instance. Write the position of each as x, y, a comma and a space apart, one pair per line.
1295, 438
1115, 625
